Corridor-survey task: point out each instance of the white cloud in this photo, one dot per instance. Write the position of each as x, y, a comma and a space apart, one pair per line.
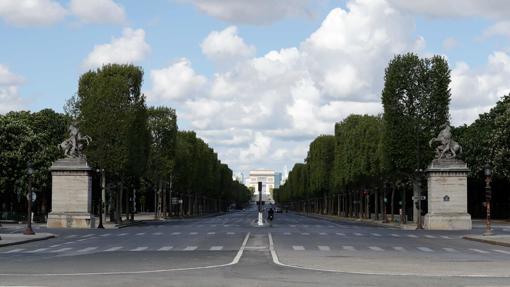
226, 46
253, 12
9, 97
31, 12
178, 81
476, 91
494, 9
98, 11
450, 43
129, 48
499, 29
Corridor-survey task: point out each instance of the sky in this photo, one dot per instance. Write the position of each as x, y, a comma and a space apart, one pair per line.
257, 80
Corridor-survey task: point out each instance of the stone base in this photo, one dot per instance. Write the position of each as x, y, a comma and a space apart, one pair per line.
447, 221
71, 220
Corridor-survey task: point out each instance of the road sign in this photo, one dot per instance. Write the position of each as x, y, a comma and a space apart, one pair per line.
419, 197
34, 196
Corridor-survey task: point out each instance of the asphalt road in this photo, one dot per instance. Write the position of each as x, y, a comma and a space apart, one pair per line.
230, 250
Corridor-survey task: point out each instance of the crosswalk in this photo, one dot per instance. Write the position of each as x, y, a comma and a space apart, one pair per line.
95, 249
372, 234
421, 249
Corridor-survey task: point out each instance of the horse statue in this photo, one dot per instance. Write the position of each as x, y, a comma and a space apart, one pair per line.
448, 148
74, 144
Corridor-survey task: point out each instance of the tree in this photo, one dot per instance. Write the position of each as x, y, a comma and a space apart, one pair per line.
320, 161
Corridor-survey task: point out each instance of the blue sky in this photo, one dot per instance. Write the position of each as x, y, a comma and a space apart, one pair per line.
258, 80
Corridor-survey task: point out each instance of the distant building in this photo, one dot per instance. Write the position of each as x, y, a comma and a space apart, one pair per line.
277, 179
239, 177
267, 177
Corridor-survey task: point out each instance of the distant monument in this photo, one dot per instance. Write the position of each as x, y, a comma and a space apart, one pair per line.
72, 185
447, 186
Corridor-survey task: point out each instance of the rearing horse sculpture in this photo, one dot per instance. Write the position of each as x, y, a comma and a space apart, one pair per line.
448, 148
73, 145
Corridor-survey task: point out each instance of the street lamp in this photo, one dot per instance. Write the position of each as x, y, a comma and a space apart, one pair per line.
102, 199
488, 196
28, 230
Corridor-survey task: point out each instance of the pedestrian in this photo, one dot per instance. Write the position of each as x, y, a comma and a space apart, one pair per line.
270, 216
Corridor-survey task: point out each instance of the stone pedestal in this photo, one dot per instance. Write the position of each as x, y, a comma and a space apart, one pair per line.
71, 194
447, 196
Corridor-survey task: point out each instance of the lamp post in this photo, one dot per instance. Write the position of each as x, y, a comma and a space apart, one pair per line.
28, 230
102, 199
488, 196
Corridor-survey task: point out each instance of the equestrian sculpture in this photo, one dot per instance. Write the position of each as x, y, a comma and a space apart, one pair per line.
74, 144
448, 148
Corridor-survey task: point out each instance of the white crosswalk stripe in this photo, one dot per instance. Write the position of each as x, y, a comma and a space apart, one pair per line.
358, 234
176, 233
122, 234
399, 248
190, 248
447, 249
501, 251
105, 235
425, 249
216, 248
37, 250
113, 248
140, 233
55, 245
61, 250
430, 236
14, 250
375, 248
141, 248
323, 233
479, 251
157, 233
298, 247
324, 248
375, 234
412, 236
305, 233
87, 249
166, 248
340, 233
395, 235
349, 248
193, 233
211, 233
445, 237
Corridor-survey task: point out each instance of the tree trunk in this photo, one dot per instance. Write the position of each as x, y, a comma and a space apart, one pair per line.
376, 203
393, 204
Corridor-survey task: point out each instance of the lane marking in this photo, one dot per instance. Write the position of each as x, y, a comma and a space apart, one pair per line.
140, 233
324, 248
190, 248
376, 234
193, 233
176, 233
425, 249
375, 248
340, 233
71, 236
358, 234
123, 234
87, 249
298, 247
349, 248
399, 248
37, 250
395, 235
323, 233
211, 233
113, 248
165, 248
412, 236
430, 236
14, 250
61, 250
501, 251
479, 251
447, 249
105, 235
157, 233
141, 248
445, 237
216, 248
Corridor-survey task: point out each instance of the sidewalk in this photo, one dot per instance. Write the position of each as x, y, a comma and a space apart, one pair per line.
502, 240
19, 238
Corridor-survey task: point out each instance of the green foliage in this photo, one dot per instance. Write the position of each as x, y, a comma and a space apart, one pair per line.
320, 162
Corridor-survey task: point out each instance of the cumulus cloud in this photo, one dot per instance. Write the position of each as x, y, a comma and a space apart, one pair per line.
252, 12
224, 47
9, 83
98, 11
277, 103
475, 91
494, 9
31, 13
129, 48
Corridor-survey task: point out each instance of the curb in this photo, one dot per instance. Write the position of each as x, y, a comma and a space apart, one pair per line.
27, 240
487, 240
354, 220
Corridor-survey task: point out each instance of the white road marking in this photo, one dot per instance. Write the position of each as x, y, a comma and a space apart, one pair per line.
324, 248
88, 235
430, 236
340, 233
305, 233
123, 234
358, 234
399, 248
376, 234
216, 248
87, 249
231, 233
323, 233
375, 248
412, 236
349, 248
165, 248
55, 245
190, 248
298, 247
105, 235
61, 250
445, 237
211, 233
193, 233
501, 251
140, 233
425, 249
176, 233
113, 249
141, 248
479, 251
157, 233
14, 250
449, 249
395, 235
71, 236
37, 250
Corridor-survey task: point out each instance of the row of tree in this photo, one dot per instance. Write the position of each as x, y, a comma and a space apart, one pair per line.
373, 163
147, 163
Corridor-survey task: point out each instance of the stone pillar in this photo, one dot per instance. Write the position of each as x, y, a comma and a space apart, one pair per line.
71, 194
447, 196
